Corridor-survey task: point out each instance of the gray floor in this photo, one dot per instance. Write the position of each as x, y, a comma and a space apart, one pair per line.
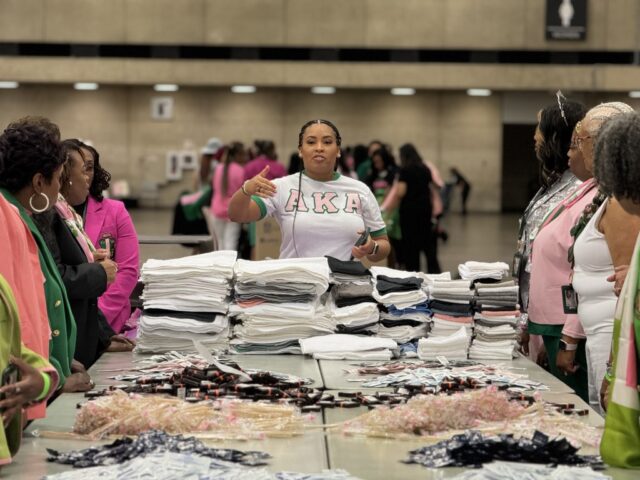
482, 237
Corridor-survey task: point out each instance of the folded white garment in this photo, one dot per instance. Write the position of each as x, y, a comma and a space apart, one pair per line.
453, 346
220, 263
152, 323
401, 299
403, 333
313, 270
474, 270
344, 343
354, 315
378, 355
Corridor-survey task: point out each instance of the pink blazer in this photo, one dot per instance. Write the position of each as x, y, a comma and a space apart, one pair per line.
110, 219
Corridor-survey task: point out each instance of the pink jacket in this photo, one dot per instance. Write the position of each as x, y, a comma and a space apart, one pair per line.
550, 268
20, 266
110, 220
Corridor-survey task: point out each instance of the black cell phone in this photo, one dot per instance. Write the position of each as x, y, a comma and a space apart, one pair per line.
569, 299
10, 375
363, 238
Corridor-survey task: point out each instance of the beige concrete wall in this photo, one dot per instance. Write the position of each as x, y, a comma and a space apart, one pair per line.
431, 76
448, 128
475, 24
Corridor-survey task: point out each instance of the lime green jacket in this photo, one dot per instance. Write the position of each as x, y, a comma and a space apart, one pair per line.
10, 344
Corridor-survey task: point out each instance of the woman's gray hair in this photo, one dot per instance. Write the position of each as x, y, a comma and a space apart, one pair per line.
599, 115
617, 157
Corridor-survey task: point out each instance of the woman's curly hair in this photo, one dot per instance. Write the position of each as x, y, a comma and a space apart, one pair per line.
29, 146
617, 157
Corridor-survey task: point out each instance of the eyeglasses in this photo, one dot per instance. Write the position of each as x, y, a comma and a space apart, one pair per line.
580, 140
577, 139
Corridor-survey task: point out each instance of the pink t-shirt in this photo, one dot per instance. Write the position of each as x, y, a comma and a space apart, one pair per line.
220, 202
255, 166
550, 267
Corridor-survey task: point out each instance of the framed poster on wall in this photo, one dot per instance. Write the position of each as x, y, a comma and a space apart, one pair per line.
189, 159
173, 169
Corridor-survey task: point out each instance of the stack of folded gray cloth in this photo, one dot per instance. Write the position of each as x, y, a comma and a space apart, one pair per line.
186, 299
496, 296
351, 282
495, 336
277, 302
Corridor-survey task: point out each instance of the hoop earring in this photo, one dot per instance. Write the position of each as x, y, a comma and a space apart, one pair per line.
38, 210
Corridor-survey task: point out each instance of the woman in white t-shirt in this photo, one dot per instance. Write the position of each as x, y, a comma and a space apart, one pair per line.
320, 212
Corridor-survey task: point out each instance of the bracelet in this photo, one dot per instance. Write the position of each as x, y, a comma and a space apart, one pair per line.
244, 189
375, 249
45, 390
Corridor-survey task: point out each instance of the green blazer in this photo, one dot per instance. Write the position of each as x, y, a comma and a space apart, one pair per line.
62, 344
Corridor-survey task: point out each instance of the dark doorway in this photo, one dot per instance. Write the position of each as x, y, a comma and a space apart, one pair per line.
520, 178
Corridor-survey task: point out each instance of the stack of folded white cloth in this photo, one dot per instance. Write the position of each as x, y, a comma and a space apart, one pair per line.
495, 336
358, 318
197, 283
278, 302
186, 299
454, 346
399, 288
404, 325
475, 270
348, 347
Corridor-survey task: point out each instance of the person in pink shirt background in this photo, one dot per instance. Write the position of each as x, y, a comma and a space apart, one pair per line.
267, 156
550, 270
227, 179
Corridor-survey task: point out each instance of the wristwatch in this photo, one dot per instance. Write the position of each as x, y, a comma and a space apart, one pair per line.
375, 248
569, 347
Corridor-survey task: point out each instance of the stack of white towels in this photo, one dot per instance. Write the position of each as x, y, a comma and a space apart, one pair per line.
472, 270
284, 306
348, 347
451, 347
186, 299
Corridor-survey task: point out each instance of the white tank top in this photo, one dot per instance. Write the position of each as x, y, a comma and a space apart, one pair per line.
593, 264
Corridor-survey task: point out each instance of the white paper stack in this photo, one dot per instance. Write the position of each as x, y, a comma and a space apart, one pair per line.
454, 346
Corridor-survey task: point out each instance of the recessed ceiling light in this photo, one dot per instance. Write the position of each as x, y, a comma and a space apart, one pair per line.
243, 89
6, 84
85, 86
479, 92
323, 90
403, 91
166, 87
634, 94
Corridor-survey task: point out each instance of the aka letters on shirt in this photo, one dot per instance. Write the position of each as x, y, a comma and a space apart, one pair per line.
329, 215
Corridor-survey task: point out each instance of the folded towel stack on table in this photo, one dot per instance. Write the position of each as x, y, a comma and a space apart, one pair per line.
452, 347
477, 270
348, 347
186, 299
451, 304
404, 325
496, 320
277, 302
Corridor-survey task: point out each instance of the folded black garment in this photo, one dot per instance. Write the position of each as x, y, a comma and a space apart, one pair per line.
473, 449
449, 308
350, 267
397, 323
492, 308
386, 284
347, 301
360, 330
206, 317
